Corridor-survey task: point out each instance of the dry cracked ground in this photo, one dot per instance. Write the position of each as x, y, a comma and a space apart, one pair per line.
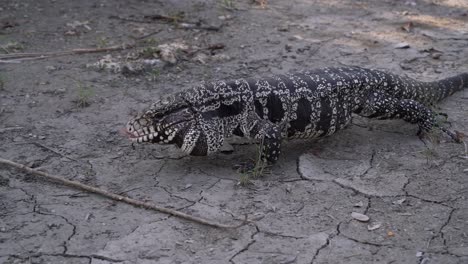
61, 114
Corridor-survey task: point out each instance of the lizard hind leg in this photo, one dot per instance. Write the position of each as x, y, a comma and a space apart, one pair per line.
383, 106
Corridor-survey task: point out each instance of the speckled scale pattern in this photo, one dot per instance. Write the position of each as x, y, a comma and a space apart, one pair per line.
304, 104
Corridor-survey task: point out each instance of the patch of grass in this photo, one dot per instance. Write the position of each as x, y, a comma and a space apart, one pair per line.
259, 169
149, 53
12, 46
2, 83
150, 41
244, 179
102, 42
85, 93
154, 74
261, 166
229, 4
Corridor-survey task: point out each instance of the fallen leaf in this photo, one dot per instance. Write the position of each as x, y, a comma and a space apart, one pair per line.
360, 217
408, 27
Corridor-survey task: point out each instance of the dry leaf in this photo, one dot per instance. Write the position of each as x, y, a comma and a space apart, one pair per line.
408, 27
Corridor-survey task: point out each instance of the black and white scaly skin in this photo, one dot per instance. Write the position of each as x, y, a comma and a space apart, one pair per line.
307, 104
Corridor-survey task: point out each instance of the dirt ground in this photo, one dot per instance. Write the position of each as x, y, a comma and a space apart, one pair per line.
62, 115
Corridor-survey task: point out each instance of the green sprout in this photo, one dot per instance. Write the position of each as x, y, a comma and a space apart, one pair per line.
84, 95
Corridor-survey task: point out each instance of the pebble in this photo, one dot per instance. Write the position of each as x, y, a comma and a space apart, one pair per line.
360, 217
50, 68
402, 45
374, 226
359, 204
399, 202
283, 28
436, 56
18, 139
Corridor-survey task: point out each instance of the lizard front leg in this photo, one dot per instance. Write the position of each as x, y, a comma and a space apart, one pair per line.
269, 136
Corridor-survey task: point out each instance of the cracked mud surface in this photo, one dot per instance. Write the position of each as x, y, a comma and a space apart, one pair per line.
415, 195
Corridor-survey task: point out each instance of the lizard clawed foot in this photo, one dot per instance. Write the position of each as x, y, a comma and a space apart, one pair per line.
433, 135
456, 136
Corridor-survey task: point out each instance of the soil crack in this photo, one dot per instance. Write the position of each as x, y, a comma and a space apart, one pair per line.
246, 247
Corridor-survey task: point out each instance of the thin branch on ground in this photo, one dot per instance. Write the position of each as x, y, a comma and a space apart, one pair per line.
178, 21
51, 149
20, 57
6, 129
120, 198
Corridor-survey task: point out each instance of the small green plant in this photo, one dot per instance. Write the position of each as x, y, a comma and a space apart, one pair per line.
102, 42
150, 41
2, 83
84, 95
260, 168
154, 74
12, 46
148, 53
229, 4
244, 179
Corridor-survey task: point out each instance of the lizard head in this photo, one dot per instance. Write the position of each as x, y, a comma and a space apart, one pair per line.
161, 123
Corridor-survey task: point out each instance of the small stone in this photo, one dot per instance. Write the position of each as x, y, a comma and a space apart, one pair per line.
187, 186
419, 254
359, 204
18, 139
226, 148
42, 137
374, 226
226, 17
283, 28
436, 56
402, 45
50, 68
360, 217
399, 202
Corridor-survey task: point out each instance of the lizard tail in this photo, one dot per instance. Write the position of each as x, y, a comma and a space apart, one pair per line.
446, 87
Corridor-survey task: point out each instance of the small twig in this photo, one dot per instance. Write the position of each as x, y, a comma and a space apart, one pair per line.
178, 21
19, 57
116, 197
211, 48
148, 35
10, 129
198, 26
52, 150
